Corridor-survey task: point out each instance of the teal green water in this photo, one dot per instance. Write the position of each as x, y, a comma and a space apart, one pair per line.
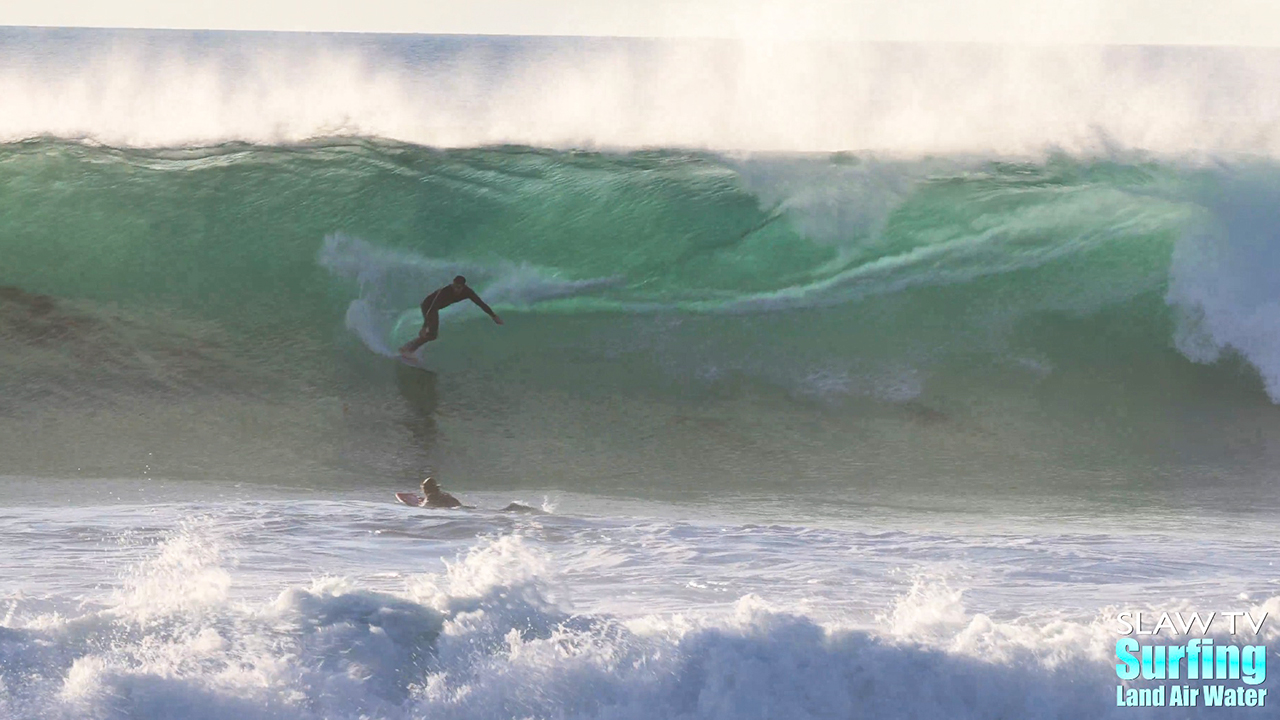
210, 229
802, 313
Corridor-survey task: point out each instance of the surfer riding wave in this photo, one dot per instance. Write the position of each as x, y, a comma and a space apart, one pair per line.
454, 292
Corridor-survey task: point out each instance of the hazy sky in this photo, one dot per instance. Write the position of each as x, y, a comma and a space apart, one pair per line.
1217, 22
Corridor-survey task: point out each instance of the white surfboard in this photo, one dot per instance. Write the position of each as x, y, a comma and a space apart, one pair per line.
411, 362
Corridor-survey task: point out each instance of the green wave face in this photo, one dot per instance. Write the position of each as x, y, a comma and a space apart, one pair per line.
210, 229
1022, 302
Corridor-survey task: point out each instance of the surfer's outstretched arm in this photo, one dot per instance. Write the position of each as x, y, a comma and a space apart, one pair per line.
488, 310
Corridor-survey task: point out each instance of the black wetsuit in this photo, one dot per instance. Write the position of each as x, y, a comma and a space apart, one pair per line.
441, 499
443, 298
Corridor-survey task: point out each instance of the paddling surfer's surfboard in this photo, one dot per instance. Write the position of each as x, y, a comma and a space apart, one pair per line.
411, 499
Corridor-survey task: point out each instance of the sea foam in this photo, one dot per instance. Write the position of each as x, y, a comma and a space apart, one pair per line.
488, 639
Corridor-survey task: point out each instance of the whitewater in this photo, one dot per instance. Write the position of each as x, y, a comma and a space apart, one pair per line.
836, 381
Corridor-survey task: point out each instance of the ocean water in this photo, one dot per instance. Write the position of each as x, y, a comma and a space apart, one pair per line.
835, 381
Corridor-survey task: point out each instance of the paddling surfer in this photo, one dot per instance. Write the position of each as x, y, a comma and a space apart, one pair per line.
434, 496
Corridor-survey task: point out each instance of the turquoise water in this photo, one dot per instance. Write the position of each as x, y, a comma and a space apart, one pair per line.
1048, 325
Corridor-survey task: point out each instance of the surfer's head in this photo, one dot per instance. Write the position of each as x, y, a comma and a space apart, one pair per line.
430, 486
459, 282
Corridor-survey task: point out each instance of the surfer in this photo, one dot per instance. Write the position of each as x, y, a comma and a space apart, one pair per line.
456, 291
433, 496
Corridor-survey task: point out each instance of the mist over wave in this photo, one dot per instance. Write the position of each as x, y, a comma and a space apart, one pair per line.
159, 89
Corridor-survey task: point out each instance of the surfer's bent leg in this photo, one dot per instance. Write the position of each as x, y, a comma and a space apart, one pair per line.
430, 330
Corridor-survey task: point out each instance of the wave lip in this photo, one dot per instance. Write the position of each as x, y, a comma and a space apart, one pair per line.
1222, 277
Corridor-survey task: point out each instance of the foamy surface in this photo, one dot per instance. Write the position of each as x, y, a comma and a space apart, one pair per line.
293, 607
